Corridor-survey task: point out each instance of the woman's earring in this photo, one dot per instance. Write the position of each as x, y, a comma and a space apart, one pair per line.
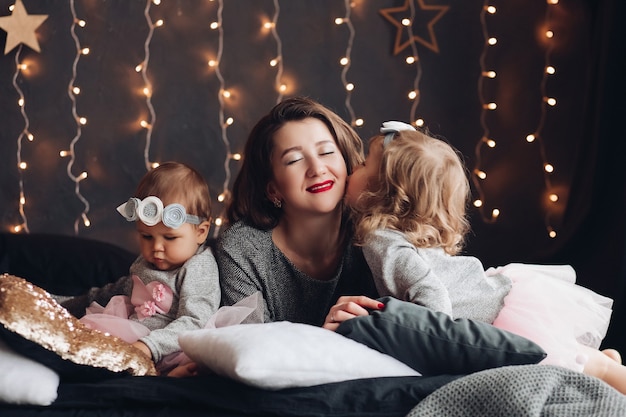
277, 202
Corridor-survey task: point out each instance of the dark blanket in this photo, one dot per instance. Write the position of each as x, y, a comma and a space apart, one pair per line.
214, 396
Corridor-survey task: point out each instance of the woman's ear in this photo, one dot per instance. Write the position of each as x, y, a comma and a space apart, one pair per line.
271, 192
202, 232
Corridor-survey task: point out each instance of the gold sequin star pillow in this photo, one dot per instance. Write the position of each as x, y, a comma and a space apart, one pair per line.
36, 326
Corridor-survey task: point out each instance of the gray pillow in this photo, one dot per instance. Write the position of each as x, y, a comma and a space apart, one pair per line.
432, 343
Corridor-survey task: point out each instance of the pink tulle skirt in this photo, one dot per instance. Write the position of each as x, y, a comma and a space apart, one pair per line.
113, 319
546, 306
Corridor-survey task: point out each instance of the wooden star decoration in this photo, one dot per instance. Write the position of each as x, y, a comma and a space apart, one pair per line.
404, 12
20, 28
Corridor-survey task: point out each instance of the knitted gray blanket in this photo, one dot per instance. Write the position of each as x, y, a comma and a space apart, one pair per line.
528, 391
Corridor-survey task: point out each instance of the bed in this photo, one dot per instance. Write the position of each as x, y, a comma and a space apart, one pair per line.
69, 265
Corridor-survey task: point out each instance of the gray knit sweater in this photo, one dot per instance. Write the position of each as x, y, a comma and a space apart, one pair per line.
196, 297
456, 285
249, 262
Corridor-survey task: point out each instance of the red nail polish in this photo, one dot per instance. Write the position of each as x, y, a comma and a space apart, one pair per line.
381, 306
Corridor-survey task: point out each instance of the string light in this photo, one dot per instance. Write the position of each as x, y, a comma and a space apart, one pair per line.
147, 89
72, 90
278, 61
536, 137
21, 165
346, 62
479, 175
414, 94
225, 194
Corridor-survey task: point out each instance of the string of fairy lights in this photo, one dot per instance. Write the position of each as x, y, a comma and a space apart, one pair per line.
346, 62
276, 64
142, 68
21, 165
414, 94
72, 91
486, 141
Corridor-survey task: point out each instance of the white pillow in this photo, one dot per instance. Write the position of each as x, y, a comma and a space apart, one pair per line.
24, 381
283, 354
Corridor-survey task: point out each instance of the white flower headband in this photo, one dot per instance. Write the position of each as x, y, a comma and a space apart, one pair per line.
391, 128
150, 211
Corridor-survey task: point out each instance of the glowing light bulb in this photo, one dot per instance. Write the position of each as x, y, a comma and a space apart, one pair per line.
413, 94
76, 90
478, 203
230, 121
349, 87
406, 22
548, 168
553, 197
30, 137
492, 41
20, 102
23, 165
236, 156
85, 51
550, 70
218, 221
489, 74
549, 34
273, 62
344, 61
214, 25
490, 142
159, 23
530, 138
82, 176
221, 197
144, 124
490, 9
81, 23
212, 63
495, 213
552, 233
359, 122
551, 101
138, 68
63, 154
226, 93
419, 122
411, 60
339, 21
82, 120
481, 174
490, 106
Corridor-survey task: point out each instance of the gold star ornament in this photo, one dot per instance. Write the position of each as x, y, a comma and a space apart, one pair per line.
395, 15
20, 27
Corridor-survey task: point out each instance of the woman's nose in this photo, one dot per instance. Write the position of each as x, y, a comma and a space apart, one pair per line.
316, 167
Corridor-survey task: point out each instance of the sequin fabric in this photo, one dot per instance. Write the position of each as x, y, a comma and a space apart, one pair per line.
31, 312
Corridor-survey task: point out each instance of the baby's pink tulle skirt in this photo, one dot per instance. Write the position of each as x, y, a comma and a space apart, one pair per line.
113, 319
546, 306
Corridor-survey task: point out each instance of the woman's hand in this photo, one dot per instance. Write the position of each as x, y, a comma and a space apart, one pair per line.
348, 307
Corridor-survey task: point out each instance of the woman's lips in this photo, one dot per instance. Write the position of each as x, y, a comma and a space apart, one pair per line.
321, 187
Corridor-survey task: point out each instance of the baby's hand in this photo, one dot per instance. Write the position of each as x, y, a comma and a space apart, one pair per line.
348, 307
182, 371
143, 348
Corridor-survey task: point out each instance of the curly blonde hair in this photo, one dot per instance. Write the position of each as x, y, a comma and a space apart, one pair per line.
421, 190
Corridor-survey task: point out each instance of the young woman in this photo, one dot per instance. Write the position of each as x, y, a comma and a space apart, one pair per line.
289, 237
